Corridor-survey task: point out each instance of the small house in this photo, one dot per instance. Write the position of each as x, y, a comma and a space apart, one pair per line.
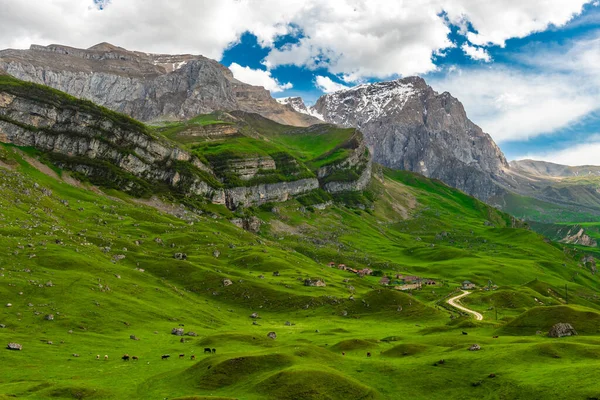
364, 271
467, 285
384, 281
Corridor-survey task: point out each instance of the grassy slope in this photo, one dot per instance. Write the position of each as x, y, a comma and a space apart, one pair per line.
305, 361
298, 152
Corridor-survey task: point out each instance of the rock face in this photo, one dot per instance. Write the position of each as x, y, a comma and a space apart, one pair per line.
145, 86
407, 125
562, 329
112, 149
580, 238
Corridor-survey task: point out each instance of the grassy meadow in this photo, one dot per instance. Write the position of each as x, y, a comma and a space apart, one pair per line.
102, 264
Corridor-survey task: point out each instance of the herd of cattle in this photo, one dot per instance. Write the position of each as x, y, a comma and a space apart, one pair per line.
127, 357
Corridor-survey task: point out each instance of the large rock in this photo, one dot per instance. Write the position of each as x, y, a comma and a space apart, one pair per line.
14, 346
562, 329
145, 86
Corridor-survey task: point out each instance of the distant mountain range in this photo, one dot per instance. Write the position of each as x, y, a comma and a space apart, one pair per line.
406, 124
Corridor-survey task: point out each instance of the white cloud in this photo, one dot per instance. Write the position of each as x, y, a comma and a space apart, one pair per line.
258, 77
354, 38
476, 53
582, 154
325, 84
560, 87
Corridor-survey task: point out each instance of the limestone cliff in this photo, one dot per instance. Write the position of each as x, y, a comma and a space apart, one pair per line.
145, 86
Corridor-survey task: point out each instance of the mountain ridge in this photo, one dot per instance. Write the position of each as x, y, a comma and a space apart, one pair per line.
144, 86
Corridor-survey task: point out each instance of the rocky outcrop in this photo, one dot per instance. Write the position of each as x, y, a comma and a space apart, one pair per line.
145, 86
407, 125
580, 238
352, 173
116, 151
561, 330
85, 135
590, 262
269, 192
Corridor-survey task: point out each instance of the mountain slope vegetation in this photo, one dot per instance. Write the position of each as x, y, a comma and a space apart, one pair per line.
104, 266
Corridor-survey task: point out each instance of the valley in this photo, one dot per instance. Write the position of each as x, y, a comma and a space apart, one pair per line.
230, 246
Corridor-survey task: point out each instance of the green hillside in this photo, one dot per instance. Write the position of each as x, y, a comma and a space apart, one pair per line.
104, 265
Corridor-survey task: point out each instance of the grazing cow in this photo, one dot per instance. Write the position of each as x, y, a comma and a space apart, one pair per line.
135, 358
165, 356
214, 351
495, 337
369, 354
207, 350
105, 357
98, 357
182, 355
125, 357
343, 353
465, 333
192, 357
182, 340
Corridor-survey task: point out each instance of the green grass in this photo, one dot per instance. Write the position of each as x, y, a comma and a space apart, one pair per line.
99, 301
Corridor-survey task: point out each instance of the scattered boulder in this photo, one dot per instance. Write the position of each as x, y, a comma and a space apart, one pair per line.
562, 329
276, 273
315, 282
180, 256
272, 335
227, 282
177, 331
133, 337
216, 253
475, 347
14, 346
254, 315
250, 224
192, 334
288, 323
49, 317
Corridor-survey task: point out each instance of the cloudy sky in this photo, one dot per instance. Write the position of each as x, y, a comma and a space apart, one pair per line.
527, 71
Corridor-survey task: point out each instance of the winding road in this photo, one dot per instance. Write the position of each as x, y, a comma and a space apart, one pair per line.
454, 302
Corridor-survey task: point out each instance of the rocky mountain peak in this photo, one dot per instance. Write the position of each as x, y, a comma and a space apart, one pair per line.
297, 104
409, 126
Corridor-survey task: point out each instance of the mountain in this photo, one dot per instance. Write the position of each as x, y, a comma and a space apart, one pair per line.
409, 126
237, 160
551, 170
298, 105
146, 87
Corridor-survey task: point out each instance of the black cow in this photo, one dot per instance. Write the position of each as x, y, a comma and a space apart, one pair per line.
125, 357
165, 356
369, 354
214, 351
465, 333
207, 350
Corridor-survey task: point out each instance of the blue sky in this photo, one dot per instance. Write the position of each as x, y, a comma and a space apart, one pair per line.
553, 142
527, 71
